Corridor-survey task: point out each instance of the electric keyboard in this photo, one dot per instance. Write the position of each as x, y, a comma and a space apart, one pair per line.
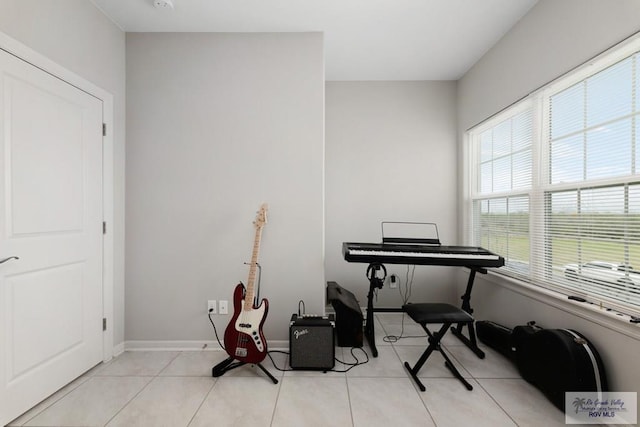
419, 251
385, 253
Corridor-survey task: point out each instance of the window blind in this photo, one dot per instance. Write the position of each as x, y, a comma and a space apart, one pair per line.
559, 196
591, 242
501, 209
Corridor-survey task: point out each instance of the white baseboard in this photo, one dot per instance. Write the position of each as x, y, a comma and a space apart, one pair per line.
118, 349
148, 345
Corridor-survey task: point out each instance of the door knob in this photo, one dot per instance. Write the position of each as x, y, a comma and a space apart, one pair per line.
2, 261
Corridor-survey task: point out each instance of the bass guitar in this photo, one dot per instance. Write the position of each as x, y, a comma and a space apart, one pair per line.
243, 338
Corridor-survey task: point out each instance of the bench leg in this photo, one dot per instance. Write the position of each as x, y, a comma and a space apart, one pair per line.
434, 344
455, 371
414, 376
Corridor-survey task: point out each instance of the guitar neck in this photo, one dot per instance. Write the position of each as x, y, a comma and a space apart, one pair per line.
249, 293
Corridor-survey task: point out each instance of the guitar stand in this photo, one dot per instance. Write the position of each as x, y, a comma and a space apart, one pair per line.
226, 365
470, 342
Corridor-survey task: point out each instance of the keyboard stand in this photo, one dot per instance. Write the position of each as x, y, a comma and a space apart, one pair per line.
376, 283
470, 342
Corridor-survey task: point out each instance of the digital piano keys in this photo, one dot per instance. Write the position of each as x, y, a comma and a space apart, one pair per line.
385, 253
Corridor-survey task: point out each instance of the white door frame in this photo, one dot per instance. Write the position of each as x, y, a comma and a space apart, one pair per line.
38, 60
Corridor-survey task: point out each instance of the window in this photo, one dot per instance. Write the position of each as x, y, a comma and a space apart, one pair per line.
554, 183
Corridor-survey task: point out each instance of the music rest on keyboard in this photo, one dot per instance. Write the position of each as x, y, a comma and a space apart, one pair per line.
420, 254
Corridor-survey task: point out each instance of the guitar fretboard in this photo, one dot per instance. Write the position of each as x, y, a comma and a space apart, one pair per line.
261, 219
249, 295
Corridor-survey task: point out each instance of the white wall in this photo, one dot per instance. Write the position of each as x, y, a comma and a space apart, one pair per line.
390, 156
216, 125
77, 36
554, 37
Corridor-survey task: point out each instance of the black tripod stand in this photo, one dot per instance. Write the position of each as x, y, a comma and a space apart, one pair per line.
228, 364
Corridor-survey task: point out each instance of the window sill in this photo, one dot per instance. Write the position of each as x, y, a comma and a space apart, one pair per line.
609, 319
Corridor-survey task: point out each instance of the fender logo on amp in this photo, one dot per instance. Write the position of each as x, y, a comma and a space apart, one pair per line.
299, 332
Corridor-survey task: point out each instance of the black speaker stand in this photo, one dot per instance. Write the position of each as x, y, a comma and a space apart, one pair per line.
228, 364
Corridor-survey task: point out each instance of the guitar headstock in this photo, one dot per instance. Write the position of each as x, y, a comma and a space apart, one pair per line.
261, 216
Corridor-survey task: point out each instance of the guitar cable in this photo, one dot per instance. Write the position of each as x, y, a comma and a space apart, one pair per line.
215, 330
349, 364
408, 286
406, 295
357, 362
395, 338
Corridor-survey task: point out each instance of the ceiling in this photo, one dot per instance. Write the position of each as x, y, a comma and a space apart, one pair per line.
363, 39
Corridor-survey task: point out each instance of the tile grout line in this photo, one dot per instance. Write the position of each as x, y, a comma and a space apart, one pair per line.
275, 404
415, 388
53, 402
346, 381
169, 363
141, 390
495, 401
215, 382
132, 397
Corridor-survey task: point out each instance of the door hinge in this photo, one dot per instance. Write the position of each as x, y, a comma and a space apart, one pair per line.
104, 129
104, 323
104, 227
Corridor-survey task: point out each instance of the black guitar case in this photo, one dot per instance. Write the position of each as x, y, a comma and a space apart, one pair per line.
497, 337
556, 361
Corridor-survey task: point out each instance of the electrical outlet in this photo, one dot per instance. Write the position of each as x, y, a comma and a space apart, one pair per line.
393, 281
224, 307
211, 306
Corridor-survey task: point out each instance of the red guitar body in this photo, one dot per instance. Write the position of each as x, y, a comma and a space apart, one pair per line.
243, 338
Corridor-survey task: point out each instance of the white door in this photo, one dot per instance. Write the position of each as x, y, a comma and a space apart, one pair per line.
51, 219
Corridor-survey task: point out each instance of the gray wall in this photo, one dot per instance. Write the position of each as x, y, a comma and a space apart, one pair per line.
550, 40
216, 125
390, 156
79, 37
554, 37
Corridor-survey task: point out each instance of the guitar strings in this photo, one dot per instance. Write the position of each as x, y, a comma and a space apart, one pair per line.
241, 339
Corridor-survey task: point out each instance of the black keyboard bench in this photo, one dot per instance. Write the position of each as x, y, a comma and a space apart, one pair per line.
441, 313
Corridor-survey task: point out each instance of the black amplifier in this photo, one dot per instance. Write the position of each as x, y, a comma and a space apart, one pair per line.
311, 342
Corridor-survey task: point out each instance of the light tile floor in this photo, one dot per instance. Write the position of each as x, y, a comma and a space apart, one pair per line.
166, 388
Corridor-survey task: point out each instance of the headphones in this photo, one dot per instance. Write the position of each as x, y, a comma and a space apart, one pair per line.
372, 274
